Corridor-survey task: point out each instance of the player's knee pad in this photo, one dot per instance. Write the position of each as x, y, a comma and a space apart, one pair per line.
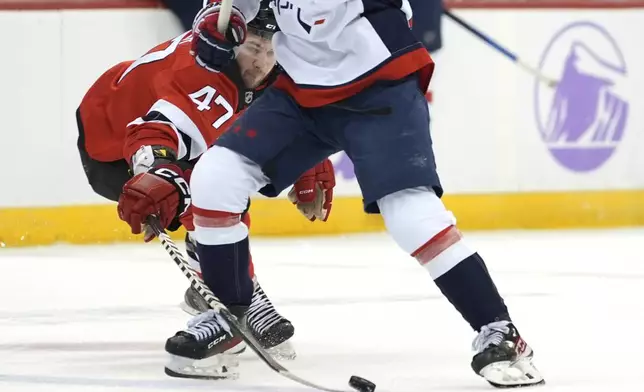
221, 185
223, 180
421, 225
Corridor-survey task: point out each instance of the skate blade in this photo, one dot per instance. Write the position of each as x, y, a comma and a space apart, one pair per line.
519, 374
217, 367
283, 351
237, 349
189, 309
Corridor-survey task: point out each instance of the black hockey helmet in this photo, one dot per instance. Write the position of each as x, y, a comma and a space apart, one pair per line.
264, 23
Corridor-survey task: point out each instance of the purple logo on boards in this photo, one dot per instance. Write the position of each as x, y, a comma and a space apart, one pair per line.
583, 119
344, 167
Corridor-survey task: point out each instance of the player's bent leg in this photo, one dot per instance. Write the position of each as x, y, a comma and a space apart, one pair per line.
421, 225
224, 257
242, 178
268, 326
222, 183
395, 167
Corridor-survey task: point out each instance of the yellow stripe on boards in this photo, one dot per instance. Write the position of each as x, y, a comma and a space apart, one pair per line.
94, 224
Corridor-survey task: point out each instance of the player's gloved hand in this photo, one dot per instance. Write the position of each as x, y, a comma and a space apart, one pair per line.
212, 49
163, 191
313, 191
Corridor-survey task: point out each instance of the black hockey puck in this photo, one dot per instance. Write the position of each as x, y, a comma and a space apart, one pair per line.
361, 385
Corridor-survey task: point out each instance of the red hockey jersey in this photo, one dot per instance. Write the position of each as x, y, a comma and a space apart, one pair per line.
162, 98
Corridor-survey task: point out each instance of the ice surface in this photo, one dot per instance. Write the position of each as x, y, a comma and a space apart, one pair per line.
96, 318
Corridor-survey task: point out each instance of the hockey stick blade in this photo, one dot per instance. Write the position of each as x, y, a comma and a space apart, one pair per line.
199, 285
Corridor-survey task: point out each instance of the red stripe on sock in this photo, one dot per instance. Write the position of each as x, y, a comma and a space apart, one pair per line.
437, 244
210, 218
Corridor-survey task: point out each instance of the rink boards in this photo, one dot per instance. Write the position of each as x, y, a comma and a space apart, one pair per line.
511, 152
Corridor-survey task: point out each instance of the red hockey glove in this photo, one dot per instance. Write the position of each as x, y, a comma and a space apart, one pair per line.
187, 218
163, 191
213, 50
313, 191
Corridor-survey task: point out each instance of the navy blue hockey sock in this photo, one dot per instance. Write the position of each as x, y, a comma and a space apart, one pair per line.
225, 270
469, 287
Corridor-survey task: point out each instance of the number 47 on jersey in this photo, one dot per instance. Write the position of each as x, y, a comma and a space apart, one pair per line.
204, 99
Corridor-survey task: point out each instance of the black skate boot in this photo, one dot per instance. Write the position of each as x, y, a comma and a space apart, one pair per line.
207, 349
270, 329
503, 358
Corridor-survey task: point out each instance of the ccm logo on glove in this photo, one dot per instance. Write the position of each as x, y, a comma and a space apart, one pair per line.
313, 191
163, 191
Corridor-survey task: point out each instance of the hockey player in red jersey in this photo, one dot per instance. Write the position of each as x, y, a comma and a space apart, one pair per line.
156, 116
354, 79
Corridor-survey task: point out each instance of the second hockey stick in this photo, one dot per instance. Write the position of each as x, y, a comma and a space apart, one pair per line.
198, 284
504, 51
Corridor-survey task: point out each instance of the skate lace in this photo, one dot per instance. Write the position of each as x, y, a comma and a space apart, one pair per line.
490, 335
261, 313
207, 325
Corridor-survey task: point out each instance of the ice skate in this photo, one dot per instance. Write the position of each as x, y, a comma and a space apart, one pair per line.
503, 358
207, 349
270, 329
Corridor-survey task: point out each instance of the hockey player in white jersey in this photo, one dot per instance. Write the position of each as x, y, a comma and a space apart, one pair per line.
354, 80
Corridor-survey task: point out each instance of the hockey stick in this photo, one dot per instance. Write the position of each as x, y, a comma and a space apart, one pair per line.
225, 10
513, 57
199, 285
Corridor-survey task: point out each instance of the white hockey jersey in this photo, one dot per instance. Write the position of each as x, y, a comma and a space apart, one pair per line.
332, 49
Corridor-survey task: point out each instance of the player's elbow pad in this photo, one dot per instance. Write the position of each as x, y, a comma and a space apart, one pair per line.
147, 157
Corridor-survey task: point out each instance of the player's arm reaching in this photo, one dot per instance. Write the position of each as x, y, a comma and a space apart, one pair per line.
161, 168
193, 108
